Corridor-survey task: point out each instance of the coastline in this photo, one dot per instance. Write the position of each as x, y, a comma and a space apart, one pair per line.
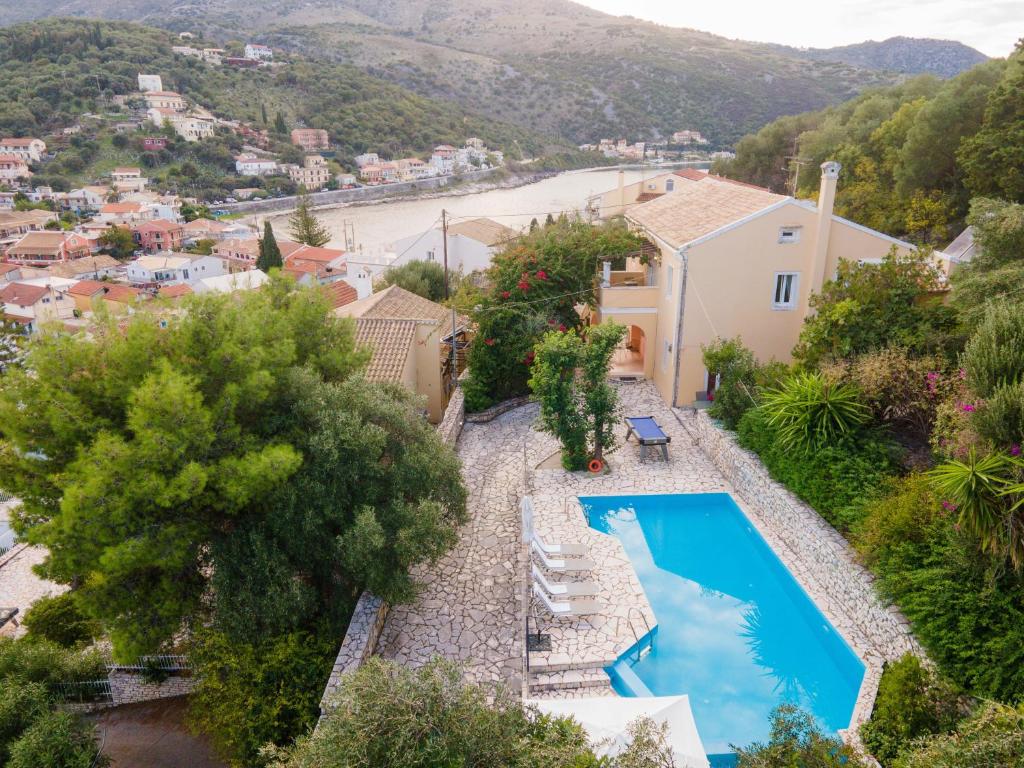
509, 180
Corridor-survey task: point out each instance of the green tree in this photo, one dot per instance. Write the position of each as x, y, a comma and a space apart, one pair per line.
258, 692
795, 740
280, 127
993, 158
118, 242
12, 344
912, 702
270, 253
735, 368
193, 211
60, 620
424, 278
263, 113
994, 735
570, 380
305, 227
871, 306
56, 740
189, 449
390, 716
808, 412
203, 246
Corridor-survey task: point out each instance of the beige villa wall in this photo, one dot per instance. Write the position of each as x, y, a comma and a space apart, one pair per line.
427, 369
730, 287
615, 201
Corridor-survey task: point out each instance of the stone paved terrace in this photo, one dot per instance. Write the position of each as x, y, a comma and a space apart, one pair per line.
599, 640
469, 608
472, 606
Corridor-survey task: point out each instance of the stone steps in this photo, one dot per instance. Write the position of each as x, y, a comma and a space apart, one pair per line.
560, 662
568, 680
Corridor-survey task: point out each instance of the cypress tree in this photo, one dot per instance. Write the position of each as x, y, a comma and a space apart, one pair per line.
270, 253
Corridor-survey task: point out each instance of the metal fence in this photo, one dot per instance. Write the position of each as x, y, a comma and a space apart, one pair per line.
5, 497
7, 541
84, 691
160, 662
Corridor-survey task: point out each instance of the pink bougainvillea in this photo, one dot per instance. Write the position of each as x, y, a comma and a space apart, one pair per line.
505, 294
489, 342
542, 275
523, 285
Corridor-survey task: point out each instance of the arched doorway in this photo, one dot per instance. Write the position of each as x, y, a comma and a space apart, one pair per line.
628, 360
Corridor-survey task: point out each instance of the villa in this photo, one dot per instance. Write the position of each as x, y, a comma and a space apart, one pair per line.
471, 244
732, 260
411, 341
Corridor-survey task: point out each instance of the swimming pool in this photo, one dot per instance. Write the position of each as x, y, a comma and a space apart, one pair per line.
735, 632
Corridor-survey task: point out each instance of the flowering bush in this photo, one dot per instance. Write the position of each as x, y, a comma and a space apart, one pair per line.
537, 282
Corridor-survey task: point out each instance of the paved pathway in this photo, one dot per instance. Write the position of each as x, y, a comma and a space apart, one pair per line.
19, 585
469, 608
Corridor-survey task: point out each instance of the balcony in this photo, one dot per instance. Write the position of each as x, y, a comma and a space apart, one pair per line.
627, 289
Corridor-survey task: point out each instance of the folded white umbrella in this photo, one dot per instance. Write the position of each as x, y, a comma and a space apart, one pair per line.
605, 719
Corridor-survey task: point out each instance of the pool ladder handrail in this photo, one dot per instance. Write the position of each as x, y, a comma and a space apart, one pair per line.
636, 637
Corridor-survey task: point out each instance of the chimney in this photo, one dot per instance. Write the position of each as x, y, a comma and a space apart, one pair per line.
826, 200
622, 187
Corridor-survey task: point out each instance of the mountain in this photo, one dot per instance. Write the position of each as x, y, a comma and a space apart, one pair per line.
908, 55
551, 66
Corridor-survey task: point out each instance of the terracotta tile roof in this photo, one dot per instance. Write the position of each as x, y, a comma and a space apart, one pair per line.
175, 291
391, 342
646, 197
32, 243
691, 173
309, 253
5, 268
157, 225
86, 287
121, 208
22, 294
23, 142
486, 231
84, 266
340, 293
126, 170
696, 210
123, 294
395, 303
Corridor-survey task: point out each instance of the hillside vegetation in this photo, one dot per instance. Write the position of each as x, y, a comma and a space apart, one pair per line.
555, 67
913, 155
53, 71
911, 56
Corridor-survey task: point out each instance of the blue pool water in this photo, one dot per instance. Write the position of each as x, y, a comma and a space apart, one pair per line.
735, 631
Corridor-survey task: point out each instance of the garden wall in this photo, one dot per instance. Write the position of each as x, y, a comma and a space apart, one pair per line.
817, 555
131, 687
364, 630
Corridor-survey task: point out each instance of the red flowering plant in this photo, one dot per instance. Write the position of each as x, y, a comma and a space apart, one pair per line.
537, 282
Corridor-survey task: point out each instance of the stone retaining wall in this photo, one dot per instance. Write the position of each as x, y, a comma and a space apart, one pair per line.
490, 414
131, 687
360, 641
454, 417
358, 194
817, 555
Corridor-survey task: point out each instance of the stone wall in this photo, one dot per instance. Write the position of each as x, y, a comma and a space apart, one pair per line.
360, 641
131, 687
490, 414
454, 417
358, 194
817, 555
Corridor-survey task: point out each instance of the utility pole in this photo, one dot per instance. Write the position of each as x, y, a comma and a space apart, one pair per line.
447, 297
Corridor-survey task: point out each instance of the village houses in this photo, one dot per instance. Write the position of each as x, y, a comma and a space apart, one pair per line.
258, 52
313, 174
247, 164
311, 139
40, 249
30, 305
158, 235
28, 149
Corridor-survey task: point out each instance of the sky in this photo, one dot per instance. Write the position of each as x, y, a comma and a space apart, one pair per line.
991, 26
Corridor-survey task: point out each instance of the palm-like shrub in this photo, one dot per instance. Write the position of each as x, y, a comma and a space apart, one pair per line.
808, 411
988, 494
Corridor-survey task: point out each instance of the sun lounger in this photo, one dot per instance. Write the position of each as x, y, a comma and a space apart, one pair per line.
553, 563
560, 589
567, 607
647, 433
565, 550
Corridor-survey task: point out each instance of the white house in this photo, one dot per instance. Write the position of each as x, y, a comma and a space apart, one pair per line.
253, 165
367, 158
149, 83
128, 179
258, 52
471, 244
231, 283
174, 269
28, 149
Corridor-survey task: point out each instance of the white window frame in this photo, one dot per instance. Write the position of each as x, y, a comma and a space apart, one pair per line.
669, 279
794, 291
670, 185
789, 234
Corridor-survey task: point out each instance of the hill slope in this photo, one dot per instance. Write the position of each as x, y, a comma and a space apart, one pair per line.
549, 65
912, 56
51, 72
